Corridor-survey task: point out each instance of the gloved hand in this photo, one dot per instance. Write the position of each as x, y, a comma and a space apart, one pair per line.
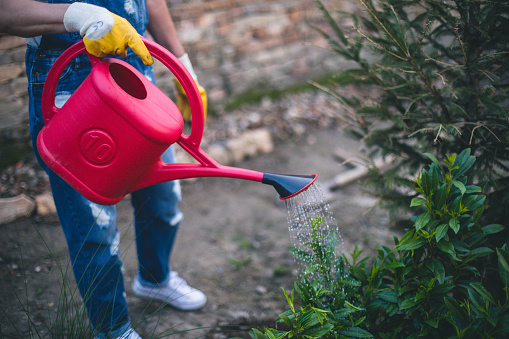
104, 33
182, 101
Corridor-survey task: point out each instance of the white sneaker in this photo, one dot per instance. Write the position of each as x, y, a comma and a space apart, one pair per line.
176, 292
130, 334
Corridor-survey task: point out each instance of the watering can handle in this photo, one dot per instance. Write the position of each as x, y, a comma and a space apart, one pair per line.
192, 141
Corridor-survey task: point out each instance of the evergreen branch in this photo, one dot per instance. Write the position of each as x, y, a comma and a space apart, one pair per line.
378, 45
438, 133
325, 89
462, 47
421, 39
400, 27
491, 55
487, 73
387, 31
478, 126
433, 90
428, 58
332, 22
407, 59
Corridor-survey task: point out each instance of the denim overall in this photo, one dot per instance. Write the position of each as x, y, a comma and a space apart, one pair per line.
90, 230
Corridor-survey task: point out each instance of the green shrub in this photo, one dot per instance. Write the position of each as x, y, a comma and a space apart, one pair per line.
436, 281
434, 78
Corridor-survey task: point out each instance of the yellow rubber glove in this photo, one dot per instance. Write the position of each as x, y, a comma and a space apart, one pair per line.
183, 102
104, 33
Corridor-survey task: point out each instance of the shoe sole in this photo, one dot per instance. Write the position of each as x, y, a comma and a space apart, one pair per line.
186, 308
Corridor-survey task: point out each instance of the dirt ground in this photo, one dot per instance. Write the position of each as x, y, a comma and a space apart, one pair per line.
233, 245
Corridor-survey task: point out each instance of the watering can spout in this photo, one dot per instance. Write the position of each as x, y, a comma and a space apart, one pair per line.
288, 185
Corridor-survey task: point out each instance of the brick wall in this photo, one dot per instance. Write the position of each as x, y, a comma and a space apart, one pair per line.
13, 85
235, 45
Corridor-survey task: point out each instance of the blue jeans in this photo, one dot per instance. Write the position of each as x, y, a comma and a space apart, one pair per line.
90, 231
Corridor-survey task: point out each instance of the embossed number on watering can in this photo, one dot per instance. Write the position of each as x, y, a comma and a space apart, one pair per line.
97, 146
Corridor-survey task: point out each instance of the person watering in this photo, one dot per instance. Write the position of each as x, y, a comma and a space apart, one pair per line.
107, 28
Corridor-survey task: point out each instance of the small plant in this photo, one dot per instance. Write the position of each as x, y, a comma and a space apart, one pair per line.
239, 263
444, 278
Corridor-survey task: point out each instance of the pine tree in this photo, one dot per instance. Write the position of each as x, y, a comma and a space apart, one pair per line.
436, 73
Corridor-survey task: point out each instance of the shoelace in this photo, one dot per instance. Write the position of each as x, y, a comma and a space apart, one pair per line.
179, 284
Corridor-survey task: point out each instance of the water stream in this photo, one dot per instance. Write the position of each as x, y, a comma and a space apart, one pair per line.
304, 209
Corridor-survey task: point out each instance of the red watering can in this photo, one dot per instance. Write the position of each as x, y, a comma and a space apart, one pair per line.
107, 139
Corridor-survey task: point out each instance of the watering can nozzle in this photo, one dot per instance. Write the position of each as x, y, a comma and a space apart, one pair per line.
288, 185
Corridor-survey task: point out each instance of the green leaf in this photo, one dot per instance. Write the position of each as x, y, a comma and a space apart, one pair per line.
441, 231
339, 266
432, 322
317, 331
464, 161
447, 247
504, 275
503, 258
456, 310
359, 273
473, 202
434, 176
460, 246
360, 321
482, 291
409, 303
475, 299
441, 197
413, 245
417, 201
481, 251
389, 296
349, 305
308, 320
473, 189
471, 269
258, 334
462, 157
302, 255
395, 264
304, 291
332, 240
344, 312
454, 225
441, 289
310, 269
355, 332
422, 220
426, 182
286, 320
455, 205
434, 159
349, 282
439, 271
460, 186
493, 228
392, 309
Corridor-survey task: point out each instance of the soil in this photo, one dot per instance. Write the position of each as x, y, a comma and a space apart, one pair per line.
233, 245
